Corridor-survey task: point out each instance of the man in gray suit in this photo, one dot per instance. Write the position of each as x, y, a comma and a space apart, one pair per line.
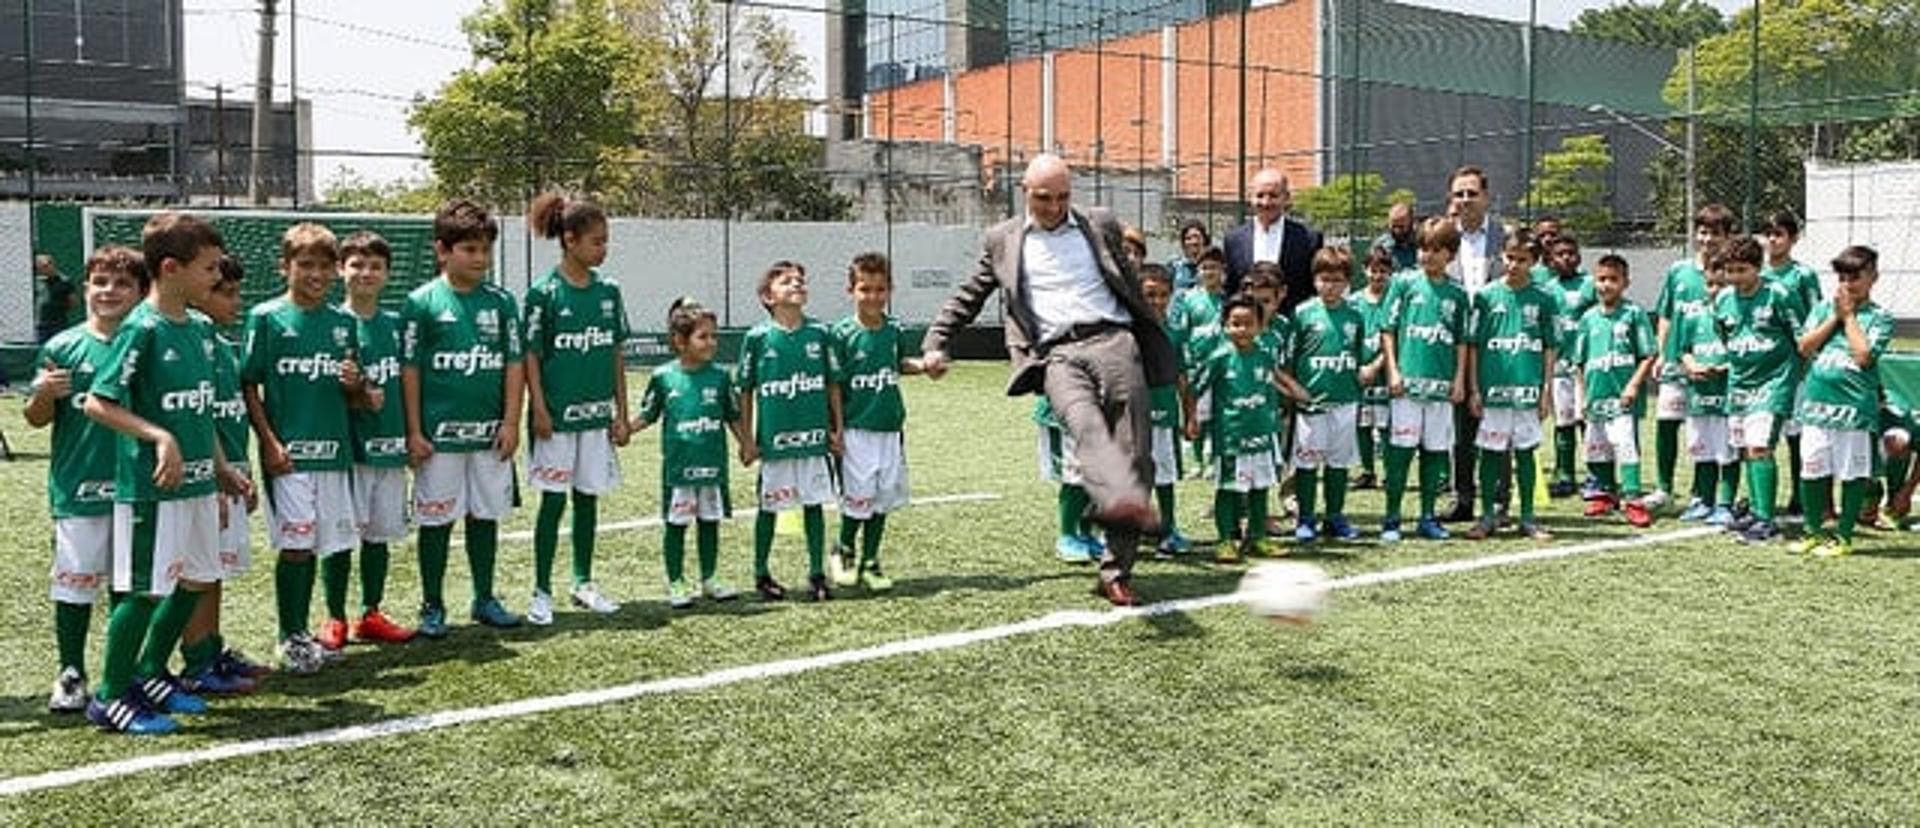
1476, 266
1079, 331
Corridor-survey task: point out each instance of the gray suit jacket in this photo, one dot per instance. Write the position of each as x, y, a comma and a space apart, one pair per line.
1000, 270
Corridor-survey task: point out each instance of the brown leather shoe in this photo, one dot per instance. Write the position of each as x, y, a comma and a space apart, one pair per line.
1117, 593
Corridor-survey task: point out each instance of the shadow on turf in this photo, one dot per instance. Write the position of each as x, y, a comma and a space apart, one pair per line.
28, 716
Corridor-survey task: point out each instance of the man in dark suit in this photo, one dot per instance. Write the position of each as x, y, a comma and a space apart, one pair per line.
1079, 331
1474, 267
1273, 237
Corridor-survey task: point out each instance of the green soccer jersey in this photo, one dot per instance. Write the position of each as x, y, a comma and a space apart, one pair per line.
294, 356
1325, 353
1699, 337
1276, 339
1798, 279
869, 361
1513, 328
787, 372
230, 407
1428, 319
693, 408
81, 470
1165, 411
380, 437
1683, 291
1763, 355
576, 333
1608, 346
1373, 315
1576, 295
161, 370
461, 343
1246, 404
1839, 393
1195, 312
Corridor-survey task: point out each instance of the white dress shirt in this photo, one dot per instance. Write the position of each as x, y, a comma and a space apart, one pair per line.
1064, 285
1268, 240
1469, 268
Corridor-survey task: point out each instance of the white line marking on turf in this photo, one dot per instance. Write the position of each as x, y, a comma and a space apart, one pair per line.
646, 523
753, 672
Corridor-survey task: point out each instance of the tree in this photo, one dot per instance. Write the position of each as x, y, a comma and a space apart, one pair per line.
354, 193
1674, 24
1357, 201
1572, 184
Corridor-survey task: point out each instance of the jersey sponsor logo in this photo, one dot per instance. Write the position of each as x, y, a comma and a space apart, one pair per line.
1814, 411
1748, 344
587, 411
313, 367
1612, 360
466, 431
1340, 363
1516, 344
692, 473
196, 399
232, 409
1430, 334
1247, 402
788, 440
1746, 399
879, 380
196, 471
433, 508
1513, 395
383, 370
1420, 387
385, 446
470, 361
1834, 359
93, 491
298, 450
584, 341
698, 425
554, 475
793, 386
1683, 307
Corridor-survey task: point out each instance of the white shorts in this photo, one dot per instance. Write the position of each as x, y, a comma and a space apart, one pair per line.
455, 485
236, 540
1057, 463
82, 552
1671, 403
1753, 430
176, 540
1708, 440
795, 482
873, 473
1166, 457
579, 461
1569, 399
1203, 407
312, 512
1502, 429
1614, 441
1840, 453
1247, 472
380, 503
1373, 415
686, 504
1328, 440
1417, 424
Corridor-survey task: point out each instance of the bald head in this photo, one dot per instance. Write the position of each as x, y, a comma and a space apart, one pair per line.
1270, 195
1048, 182
1400, 221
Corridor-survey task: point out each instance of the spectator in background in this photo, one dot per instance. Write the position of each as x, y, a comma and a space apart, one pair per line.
1399, 241
1185, 267
1273, 237
1134, 244
57, 299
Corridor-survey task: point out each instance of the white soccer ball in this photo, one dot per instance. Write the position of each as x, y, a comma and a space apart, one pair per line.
1287, 591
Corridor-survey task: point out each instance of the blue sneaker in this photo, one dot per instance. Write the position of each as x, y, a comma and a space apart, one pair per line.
1071, 550
164, 694
1390, 531
1590, 488
1697, 510
1339, 529
1304, 532
213, 681
1430, 529
1720, 516
129, 714
433, 621
1176, 543
492, 614
1096, 545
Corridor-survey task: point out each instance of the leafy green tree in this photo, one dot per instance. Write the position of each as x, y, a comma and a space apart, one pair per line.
1571, 183
1674, 24
1357, 203
353, 192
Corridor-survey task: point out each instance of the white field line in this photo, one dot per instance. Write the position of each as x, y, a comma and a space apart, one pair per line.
754, 672
650, 522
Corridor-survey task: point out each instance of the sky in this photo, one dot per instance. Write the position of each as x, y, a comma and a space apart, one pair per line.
362, 61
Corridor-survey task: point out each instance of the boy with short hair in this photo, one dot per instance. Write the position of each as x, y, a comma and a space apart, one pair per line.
463, 382
873, 463
1703, 354
379, 434
1515, 329
299, 378
1371, 303
1683, 291
156, 390
1613, 352
1424, 338
1777, 236
1840, 408
1760, 324
1574, 287
1156, 285
80, 470
1240, 375
1194, 319
1324, 375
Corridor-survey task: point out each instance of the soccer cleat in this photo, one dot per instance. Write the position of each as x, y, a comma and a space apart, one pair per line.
1792, 513
1390, 531
1561, 489
333, 634
1590, 488
1095, 546
212, 682
164, 694
433, 621
1304, 532
1226, 551
588, 597
376, 626
490, 612
1430, 529
1742, 521
769, 589
1071, 550
130, 715
1638, 515
871, 578
1175, 543
1534, 531
540, 609
1482, 529
1806, 544
679, 594
232, 662
1720, 516
1760, 531
817, 588
1599, 506
1655, 500
69, 692
718, 590
300, 656
1834, 548
1696, 511
1366, 481
840, 566
1338, 528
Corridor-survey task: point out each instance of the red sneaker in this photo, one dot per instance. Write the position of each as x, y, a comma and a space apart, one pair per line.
333, 634
1637, 514
1600, 506
376, 626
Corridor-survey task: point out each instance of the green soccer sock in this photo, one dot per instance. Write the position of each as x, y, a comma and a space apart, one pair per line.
1729, 483
336, 572
1604, 474
586, 525
1336, 486
1399, 462
1817, 495
1164, 496
373, 575
1564, 440
1666, 452
546, 539
1525, 478
1630, 485
870, 542
1305, 483
1706, 478
483, 544
126, 630
707, 540
199, 655
1896, 472
1433, 466
1257, 514
1853, 498
1793, 473
849, 530
1763, 485
163, 633
1226, 514
1493, 469
70, 622
815, 521
293, 592
434, 544
675, 552
763, 523
1366, 452
1074, 502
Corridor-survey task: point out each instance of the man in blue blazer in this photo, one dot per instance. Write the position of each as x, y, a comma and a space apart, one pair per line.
1273, 237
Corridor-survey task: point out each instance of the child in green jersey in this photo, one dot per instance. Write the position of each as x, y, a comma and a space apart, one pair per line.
1323, 374
1683, 291
789, 385
1371, 303
80, 471
379, 438
1156, 286
695, 404
156, 389
300, 378
1760, 324
1424, 338
462, 381
1193, 321
1077, 541
1241, 377
1613, 352
1840, 403
1778, 234
873, 462
576, 328
1703, 355
1515, 331
1574, 288
1267, 287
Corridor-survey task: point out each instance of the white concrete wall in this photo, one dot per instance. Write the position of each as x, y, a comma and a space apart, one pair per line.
16, 291
1877, 205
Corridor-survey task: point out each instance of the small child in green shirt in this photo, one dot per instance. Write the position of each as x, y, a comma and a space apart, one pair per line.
1324, 376
1613, 352
1515, 331
1240, 376
1424, 338
1156, 285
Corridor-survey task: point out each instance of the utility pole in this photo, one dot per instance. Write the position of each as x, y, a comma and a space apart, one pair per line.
262, 107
